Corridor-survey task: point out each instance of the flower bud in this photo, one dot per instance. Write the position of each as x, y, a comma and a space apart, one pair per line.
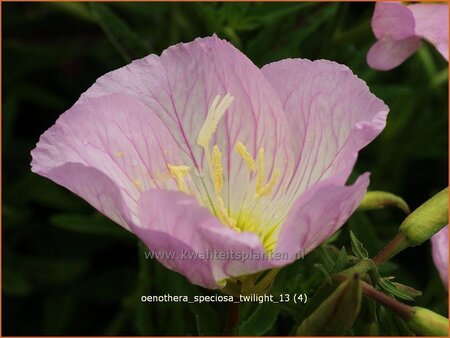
427, 323
426, 220
381, 199
336, 315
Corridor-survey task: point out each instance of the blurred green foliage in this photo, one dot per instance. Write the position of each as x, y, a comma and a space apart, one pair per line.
67, 270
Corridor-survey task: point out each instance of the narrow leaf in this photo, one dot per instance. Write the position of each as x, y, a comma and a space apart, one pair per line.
260, 321
357, 247
124, 39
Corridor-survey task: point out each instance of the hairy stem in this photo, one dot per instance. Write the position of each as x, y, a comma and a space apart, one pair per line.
368, 290
396, 245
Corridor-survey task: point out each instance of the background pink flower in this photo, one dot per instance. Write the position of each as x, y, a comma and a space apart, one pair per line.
200, 150
399, 29
439, 244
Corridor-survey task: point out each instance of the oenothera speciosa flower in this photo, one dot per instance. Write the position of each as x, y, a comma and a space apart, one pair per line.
399, 29
199, 150
440, 253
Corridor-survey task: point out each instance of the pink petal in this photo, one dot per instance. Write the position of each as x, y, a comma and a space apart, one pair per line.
393, 20
173, 223
96, 188
399, 29
318, 213
332, 115
388, 53
432, 24
179, 88
440, 253
116, 136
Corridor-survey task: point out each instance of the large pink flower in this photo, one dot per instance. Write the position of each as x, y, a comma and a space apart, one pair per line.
399, 29
439, 244
199, 151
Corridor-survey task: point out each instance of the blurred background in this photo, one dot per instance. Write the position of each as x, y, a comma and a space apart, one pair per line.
67, 270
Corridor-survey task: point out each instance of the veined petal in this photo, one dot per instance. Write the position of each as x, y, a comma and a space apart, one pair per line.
394, 20
439, 243
432, 24
96, 188
318, 213
332, 115
209, 87
117, 136
189, 240
388, 53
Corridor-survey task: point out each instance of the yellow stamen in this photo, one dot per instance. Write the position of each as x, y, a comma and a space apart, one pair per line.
119, 154
243, 152
269, 186
215, 113
260, 172
223, 215
178, 172
217, 170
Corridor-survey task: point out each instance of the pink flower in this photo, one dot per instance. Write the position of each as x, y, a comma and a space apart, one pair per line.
198, 150
439, 244
399, 29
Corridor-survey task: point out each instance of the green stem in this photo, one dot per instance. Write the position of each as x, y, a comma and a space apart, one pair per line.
361, 268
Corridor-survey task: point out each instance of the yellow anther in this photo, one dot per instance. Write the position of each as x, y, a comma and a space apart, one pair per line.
223, 215
269, 186
215, 113
119, 154
243, 152
138, 185
178, 172
260, 172
217, 169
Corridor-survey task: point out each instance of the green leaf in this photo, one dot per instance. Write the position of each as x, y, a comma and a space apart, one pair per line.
144, 312
341, 261
322, 269
387, 322
125, 40
367, 322
364, 229
76, 9
260, 321
357, 247
399, 290
207, 325
325, 258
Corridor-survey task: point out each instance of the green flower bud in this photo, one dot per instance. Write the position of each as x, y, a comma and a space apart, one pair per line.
426, 220
381, 199
427, 323
336, 315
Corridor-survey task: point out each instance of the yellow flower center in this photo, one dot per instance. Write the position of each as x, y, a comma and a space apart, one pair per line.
243, 219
